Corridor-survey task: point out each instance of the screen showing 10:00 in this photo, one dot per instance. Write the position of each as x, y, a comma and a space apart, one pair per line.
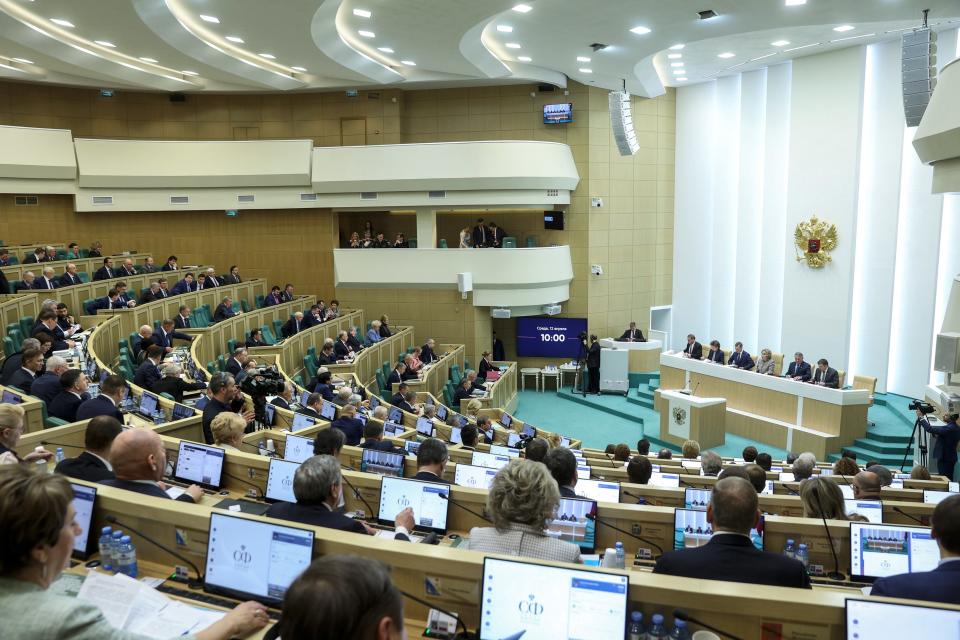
549, 337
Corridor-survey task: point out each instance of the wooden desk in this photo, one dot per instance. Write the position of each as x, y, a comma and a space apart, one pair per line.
685, 417
642, 356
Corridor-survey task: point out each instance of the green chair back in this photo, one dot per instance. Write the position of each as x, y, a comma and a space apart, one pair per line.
509, 242
8, 348
443, 243
531, 241
26, 326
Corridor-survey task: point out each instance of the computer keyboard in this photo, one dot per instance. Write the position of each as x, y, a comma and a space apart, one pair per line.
205, 598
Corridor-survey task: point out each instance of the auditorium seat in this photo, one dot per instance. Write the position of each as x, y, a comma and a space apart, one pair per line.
231, 345
532, 241
89, 308
509, 242
84, 276
268, 335
412, 242
869, 383
244, 306
278, 328
26, 326
8, 348
443, 243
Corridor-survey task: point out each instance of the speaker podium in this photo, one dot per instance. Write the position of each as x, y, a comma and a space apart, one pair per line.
686, 417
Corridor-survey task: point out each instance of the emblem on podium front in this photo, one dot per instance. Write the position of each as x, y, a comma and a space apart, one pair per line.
814, 239
679, 415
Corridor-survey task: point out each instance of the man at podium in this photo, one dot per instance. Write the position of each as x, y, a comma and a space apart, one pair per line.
632, 334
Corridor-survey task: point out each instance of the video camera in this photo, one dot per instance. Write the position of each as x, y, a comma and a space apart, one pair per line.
923, 407
262, 381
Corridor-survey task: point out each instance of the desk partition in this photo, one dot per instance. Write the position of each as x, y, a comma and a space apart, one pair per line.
502, 394
365, 365
289, 353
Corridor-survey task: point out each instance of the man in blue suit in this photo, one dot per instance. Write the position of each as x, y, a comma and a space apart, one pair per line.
105, 272
187, 285
70, 277
945, 442
168, 334
111, 301
112, 390
73, 393
47, 281
740, 358
798, 369
148, 373
348, 423
943, 583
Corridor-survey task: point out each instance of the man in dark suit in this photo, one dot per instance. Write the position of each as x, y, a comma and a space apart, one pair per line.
73, 392
825, 375
70, 277
314, 316
170, 264
432, 459
110, 301
105, 272
171, 383
148, 373
481, 235
4, 257
26, 283
341, 346
943, 583
373, 439
47, 323
31, 362
326, 356
274, 297
149, 266
127, 269
236, 361
563, 467
142, 341
593, 366
47, 386
945, 442
186, 285
223, 391
496, 235
93, 464
224, 310
139, 462
632, 334
168, 334
182, 319
11, 364
287, 295
730, 555
152, 294
348, 423
112, 391
693, 349
293, 326
123, 296
798, 369
427, 354
485, 429
397, 398
740, 358
406, 404
38, 256
314, 404
233, 277
462, 392
284, 400
46, 281
256, 339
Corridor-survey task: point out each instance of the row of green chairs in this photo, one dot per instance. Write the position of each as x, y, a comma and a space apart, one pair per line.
509, 242
48, 421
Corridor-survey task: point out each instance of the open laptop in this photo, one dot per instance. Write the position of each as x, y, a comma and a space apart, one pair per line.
500, 450
301, 421
395, 415
297, 448
696, 499
84, 499
691, 529
847, 491
576, 522
181, 411
481, 459
199, 464
583, 472
467, 475
374, 402
599, 490
9, 397
429, 509
873, 619
392, 429
412, 446
148, 405
565, 442
455, 436
280, 480
425, 427
554, 602
881, 550
328, 410
441, 412
506, 420
872, 510
269, 410
935, 497
668, 480
304, 398
253, 559
529, 431
384, 463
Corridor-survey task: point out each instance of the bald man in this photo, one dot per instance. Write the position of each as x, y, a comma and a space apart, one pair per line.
730, 554
866, 486
139, 460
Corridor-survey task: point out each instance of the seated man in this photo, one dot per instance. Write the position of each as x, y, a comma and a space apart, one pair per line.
432, 459
764, 460
408, 403
693, 349
462, 392
798, 369
142, 341
128, 269
212, 280
284, 399
47, 386
468, 439
294, 325
70, 276
373, 438
749, 453
149, 265
274, 297
186, 285
31, 362
47, 323
711, 463
148, 373
38, 255
397, 398
172, 383
328, 442
342, 397
485, 429
740, 358
153, 293
73, 392
47, 280
825, 375
427, 354
256, 339
866, 486
105, 272
223, 392
351, 426
342, 347
287, 294
112, 391
314, 403
93, 464
124, 297
139, 461
224, 310
639, 470
730, 555
110, 301
943, 583
237, 360
326, 356
632, 334
563, 467
758, 477
396, 376
168, 334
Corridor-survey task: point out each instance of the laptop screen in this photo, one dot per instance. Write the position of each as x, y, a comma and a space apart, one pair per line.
872, 619
467, 475
199, 464
304, 398
691, 529
513, 439
576, 523
506, 420
297, 449
181, 411
328, 410
148, 404
455, 436
934, 497
599, 490
201, 403
880, 550
391, 429
490, 460
669, 480
83, 500
385, 463
255, 559
564, 442
280, 480
500, 450
429, 509
583, 472
374, 402
696, 499
847, 491
395, 415
463, 421
301, 421
412, 446
529, 431
786, 476
441, 412
9, 397
554, 602
872, 510
424, 426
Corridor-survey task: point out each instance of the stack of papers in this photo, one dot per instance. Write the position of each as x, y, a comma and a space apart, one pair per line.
138, 608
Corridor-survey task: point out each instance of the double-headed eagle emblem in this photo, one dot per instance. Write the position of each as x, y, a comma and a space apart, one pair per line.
814, 239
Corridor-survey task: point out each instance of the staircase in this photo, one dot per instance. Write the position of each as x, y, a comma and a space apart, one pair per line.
886, 441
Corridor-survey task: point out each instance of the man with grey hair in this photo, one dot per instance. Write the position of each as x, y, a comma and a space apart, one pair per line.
343, 396
172, 382
294, 325
224, 310
212, 280
129, 269
47, 281
803, 466
26, 284
885, 475
12, 362
381, 413
237, 360
798, 369
730, 554
318, 488
285, 399
70, 277
47, 386
711, 463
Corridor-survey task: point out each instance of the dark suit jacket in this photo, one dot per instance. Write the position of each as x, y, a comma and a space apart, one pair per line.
715, 355
180, 323
254, 343
231, 279
149, 296
316, 515
323, 358
10, 366
481, 236
351, 427
307, 411
104, 274
222, 312
20, 285
830, 377
695, 350
147, 375
143, 488
292, 328
386, 333
22, 380
325, 391
58, 342
381, 445
496, 236
166, 339
233, 366
67, 280
741, 360
34, 259
394, 377
427, 355
567, 492
176, 387
733, 558
166, 267
99, 406
636, 337
271, 300
593, 355
940, 585
211, 411
280, 402
403, 405
429, 477
803, 371
183, 287
64, 405
41, 283
945, 444
86, 466
460, 394
482, 368
46, 387
340, 349
396, 399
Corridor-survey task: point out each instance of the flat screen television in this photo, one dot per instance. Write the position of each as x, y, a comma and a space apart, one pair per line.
549, 337
553, 220
561, 113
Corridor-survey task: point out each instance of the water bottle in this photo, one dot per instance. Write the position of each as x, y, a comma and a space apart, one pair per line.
803, 555
635, 630
106, 548
127, 558
158, 417
680, 631
621, 559
59, 455
789, 549
115, 549
656, 631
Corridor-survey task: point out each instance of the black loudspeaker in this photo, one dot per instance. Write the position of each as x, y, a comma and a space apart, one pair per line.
553, 220
918, 64
178, 97
546, 88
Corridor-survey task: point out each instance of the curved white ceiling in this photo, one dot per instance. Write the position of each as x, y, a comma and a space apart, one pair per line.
291, 45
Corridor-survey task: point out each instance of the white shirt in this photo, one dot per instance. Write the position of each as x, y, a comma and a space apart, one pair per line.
32, 374
103, 460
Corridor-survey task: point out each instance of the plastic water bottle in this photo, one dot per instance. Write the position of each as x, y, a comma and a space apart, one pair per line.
680, 631
635, 630
789, 550
158, 417
115, 549
803, 555
656, 631
106, 548
127, 558
59, 455
621, 559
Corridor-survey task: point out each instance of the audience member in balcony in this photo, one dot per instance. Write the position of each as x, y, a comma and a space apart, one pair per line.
26, 284
485, 365
333, 311
285, 398
465, 238
373, 335
106, 272
397, 398
354, 341
481, 235
287, 295
46, 281
380, 242
256, 339
31, 363
324, 388
73, 252
149, 266
354, 242
4, 257
384, 327
274, 297
496, 235
401, 242
186, 285
47, 385
96, 249
233, 276
38, 256
427, 355
327, 356
170, 265
112, 391
368, 228
367, 241
70, 276
212, 279
224, 310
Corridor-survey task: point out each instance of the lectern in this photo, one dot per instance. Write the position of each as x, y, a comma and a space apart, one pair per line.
687, 417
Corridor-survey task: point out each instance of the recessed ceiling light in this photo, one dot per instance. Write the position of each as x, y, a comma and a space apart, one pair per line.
106, 43
844, 27
779, 43
150, 60
360, 13
385, 49
679, 72
211, 19
640, 30
236, 39
189, 73
584, 70
367, 34
674, 56
677, 47
504, 28
524, 59
268, 56
62, 22
725, 55
523, 8
676, 64
409, 63
23, 60
680, 79
300, 69
795, 3
583, 59
513, 45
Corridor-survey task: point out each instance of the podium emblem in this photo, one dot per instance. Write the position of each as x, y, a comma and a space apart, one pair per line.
679, 415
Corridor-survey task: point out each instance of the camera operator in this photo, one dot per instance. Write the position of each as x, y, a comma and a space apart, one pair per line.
593, 366
945, 441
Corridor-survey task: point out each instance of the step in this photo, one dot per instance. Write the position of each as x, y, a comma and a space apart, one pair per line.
641, 400
566, 394
890, 460
882, 448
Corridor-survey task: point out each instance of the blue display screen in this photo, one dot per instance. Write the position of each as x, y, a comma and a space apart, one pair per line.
549, 337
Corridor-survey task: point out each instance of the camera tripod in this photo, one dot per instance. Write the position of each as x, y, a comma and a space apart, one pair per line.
921, 436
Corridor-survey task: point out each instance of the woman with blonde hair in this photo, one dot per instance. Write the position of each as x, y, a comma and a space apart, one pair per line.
465, 236
766, 365
822, 498
354, 241
374, 335
384, 327
473, 408
690, 450
11, 428
227, 430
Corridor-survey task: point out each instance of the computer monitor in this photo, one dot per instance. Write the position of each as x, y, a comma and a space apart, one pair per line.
412, 446
669, 480
181, 411
84, 499
881, 550
500, 450
873, 619
767, 489
506, 420
9, 397
269, 411
576, 522
441, 412
691, 465
934, 497
565, 442
301, 421
253, 559
385, 463
391, 428
374, 402
696, 499
463, 421
953, 487
328, 410
297, 448
425, 426
148, 404
513, 439
847, 491
199, 464
599, 490
467, 475
489, 460
429, 509
872, 510
395, 415
530, 431
583, 472
455, 436
786, 476
824, 472
280, 480
691, 529
304, 398
589, 605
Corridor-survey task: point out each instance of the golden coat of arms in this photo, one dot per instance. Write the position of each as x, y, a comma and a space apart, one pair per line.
814, 239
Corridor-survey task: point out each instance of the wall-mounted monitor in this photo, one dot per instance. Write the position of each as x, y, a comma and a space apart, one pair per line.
558, 113
553, 220
550, 337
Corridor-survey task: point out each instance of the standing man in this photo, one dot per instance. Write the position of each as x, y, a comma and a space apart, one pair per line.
593, 366
945, 442
496, 235
481, 235
632, 334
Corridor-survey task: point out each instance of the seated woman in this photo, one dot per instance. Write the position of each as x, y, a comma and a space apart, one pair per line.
385, 326
473, 408
621, 452
846, 467
11, 428
39, 525
522, 502
766, 365
415, 363
822, 498
715, 354
354, 241
227, 430
373, 335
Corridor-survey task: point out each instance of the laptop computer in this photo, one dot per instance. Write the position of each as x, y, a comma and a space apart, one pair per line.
599, 490
280, 480
696, 499
181, 411
455, 437
668, 480
691, 529
328, 410
468, 475
429, 509
301, 421
199, 464
424, 427
872, 619
872, 510
9, 397
395, 415
84, 499
148, 405
297, 448
384, 463
441, 412
500, 450
881, 550
269, 411
392, 429
576, 522
481, 459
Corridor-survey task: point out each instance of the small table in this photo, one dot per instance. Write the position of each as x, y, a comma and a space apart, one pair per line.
565, 369
549, 373
529, 371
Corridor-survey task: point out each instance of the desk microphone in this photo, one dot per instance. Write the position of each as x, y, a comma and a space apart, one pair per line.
835, 574
357, 494
457, 503
605, 523
194, 584
679, 614
247, 482
466, 632
613, 464
691, 393
904, 513
640, 499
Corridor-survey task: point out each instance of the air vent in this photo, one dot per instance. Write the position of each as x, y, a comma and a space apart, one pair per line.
99, 201
179, 199
553, 193
436, 194
26, 201
707, 14
369, 195
599, 46
308, 197
246, 198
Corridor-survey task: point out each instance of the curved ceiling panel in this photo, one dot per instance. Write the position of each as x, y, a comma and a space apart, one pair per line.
326, 34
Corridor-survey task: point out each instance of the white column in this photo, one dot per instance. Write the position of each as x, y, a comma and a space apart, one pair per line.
426, 229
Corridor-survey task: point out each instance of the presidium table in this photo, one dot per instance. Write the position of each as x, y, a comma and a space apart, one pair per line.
782, 413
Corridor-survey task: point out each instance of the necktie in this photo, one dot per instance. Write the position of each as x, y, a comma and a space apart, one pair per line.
109, 273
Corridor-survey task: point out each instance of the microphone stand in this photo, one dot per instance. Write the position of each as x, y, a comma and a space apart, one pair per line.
259, 491
904, 513
835, 574
193, 584
456, 503
357, 494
